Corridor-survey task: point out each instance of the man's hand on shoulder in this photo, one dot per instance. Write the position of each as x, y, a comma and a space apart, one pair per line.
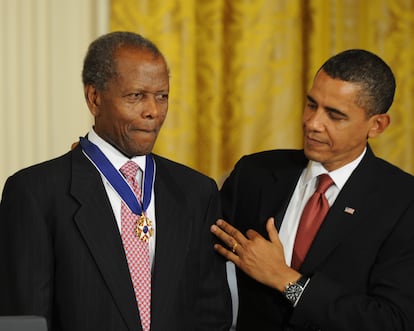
258, 257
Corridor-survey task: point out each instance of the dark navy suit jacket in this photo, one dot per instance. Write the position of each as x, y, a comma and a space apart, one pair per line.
361, 262
62, 257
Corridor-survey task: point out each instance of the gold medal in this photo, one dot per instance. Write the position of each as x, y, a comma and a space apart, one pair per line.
143, 228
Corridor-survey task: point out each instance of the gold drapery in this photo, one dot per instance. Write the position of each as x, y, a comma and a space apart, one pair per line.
240, 70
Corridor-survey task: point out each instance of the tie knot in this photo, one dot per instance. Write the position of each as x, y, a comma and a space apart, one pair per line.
325, 181
129, 169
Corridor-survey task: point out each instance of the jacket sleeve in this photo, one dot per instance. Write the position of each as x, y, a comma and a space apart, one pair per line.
214, 306
26, 257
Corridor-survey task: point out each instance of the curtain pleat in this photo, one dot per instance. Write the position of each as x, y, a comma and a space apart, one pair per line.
240, 70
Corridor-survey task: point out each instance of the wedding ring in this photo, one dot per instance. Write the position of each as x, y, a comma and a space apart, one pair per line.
233, 248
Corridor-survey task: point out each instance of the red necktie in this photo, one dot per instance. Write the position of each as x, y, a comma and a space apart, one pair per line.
312, 217
136, 250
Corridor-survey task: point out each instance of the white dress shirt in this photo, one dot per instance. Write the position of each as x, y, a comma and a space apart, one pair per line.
118, 160
305, 187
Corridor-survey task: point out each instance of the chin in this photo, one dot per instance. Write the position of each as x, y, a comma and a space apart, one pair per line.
313, 155
138, 147
141, 150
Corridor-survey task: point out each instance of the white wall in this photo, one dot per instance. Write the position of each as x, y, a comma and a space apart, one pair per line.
42, 45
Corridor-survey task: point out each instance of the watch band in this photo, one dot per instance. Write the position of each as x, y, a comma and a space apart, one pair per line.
294, 290
302, 280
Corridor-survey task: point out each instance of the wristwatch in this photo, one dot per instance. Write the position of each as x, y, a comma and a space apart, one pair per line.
293, 290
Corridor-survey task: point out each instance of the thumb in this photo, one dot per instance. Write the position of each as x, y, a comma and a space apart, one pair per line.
271, 230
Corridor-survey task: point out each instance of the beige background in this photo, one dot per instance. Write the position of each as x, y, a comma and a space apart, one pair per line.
42, 44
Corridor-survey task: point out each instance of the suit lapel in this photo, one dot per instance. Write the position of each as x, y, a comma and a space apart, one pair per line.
285, 189
278, 191
97, 225
172, 239
343, 215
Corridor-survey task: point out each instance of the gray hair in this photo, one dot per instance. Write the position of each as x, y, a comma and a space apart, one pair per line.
99, 64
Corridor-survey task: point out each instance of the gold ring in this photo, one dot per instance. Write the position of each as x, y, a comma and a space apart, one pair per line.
233, 248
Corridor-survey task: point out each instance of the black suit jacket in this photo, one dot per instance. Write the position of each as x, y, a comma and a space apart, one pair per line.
361, 263
62, 256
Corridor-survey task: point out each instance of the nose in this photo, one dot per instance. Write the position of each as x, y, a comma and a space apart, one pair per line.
151, 107
314, 120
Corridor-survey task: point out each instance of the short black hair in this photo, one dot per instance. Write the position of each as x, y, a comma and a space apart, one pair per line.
99, 63
370, 72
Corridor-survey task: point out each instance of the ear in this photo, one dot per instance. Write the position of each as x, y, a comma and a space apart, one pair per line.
92, 97
379, 123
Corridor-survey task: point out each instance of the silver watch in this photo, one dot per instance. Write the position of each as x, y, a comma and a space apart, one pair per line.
293, 290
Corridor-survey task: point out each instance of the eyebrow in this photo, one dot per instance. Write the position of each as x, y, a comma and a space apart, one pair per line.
329, 109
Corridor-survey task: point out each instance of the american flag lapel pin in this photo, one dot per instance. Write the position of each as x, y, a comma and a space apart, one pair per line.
349, 210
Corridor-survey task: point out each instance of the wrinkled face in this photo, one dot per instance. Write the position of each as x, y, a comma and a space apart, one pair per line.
130, 111
335, 128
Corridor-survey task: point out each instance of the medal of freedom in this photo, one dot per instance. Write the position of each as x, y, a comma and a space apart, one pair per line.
143, 229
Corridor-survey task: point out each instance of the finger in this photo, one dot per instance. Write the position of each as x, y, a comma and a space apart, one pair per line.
271, 230
227, 254
231, 231
73, 146
252, 234
224, 236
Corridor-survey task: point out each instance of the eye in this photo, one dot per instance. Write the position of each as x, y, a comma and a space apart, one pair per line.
135, 96
336, 116
162, 97
311, 105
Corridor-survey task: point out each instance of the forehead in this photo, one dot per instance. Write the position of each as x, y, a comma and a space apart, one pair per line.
333, 92
130, 54
140, 65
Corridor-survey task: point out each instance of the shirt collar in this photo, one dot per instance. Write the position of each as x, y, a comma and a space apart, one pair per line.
339, 176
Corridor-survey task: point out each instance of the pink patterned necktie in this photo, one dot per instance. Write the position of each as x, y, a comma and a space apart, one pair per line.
137, 251
312, 217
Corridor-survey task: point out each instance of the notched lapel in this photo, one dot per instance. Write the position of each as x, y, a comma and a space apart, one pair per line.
172, 239
97, 225
343, 215
277, 193
285, 188
334, 229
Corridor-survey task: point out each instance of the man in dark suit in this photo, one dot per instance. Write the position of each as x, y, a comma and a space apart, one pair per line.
63, 253
359, 269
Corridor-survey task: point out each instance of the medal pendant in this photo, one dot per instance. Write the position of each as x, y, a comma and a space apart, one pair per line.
143, 229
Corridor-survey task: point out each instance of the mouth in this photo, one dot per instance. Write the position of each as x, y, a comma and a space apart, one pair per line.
145, 130
312, 141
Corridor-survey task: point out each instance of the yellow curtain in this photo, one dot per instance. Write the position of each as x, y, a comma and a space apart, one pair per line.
240, 70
